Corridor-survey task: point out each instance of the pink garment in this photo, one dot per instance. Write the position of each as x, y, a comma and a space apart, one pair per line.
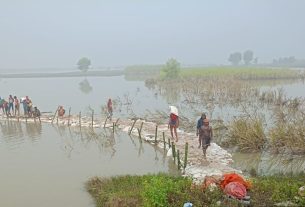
236, 190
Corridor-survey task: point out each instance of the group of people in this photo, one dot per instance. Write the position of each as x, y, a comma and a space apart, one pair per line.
204, 131
11, 107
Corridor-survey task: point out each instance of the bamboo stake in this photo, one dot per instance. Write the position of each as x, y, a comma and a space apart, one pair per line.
105, 121
164, 143
113, 124
116, 123
69, 116
169, 143
185, 155
156, 134
134, 122
55, 114
80, 119
178, 159
92, 118
174, 152
140, 130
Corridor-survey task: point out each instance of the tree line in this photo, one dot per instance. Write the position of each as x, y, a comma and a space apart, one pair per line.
247, 57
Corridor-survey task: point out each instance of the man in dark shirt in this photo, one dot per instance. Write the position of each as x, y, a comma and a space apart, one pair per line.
199, 125
205, 135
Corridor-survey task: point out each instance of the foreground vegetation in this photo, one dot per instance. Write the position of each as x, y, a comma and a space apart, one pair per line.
165, 190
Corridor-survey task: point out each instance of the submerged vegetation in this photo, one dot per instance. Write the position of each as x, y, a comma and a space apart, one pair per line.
247, 133
165, 190
279, 125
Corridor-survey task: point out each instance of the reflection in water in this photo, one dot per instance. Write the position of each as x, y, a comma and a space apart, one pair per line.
269, 164
85, 86
33, 130
13, 132
58, 151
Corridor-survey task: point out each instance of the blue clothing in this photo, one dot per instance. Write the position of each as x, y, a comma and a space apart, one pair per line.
199, 123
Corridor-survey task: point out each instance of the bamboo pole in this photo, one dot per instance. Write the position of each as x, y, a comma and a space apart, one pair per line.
92, 117
185, 155
140, 130
69, 116
80, 119
174, 152
105, 121
164, 143
134, 122
156, 134
116, 123
113, 124
55, 114
169, 143
178, 159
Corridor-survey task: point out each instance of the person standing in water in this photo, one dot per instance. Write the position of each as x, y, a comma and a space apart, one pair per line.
17, 106
205, 135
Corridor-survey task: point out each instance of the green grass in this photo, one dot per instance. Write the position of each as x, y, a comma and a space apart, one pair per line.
240, 72
165, 190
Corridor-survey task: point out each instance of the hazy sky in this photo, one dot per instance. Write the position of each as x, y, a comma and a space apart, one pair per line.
56, 33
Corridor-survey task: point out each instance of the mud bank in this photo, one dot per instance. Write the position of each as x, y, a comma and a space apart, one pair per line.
218, 160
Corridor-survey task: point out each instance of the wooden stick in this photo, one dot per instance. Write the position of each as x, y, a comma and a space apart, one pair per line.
140, 130
113, 124
105, 121
164, 143
156, 134
134, 122
185, 155
69, 116
174, 152
55, 114
80, 119
178, 159
116, 123
92, 118
169, 143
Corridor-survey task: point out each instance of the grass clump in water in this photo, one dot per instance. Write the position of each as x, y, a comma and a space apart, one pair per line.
247, 134
288, 132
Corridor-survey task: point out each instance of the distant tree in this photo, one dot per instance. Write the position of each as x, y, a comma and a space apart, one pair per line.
171, 68
235, 58
83, 64
248, 57
255, 61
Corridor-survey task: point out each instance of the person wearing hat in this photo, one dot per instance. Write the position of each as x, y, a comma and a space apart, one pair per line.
205, 135
199, 125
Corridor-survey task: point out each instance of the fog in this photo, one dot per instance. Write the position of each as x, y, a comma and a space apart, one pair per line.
56, 33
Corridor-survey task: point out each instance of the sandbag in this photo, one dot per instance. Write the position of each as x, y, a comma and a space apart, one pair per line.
236, 190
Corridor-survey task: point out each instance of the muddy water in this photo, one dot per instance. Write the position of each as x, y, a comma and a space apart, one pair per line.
265, 163
45, 165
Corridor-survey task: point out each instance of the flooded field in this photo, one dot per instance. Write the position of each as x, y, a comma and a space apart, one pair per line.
45, 165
